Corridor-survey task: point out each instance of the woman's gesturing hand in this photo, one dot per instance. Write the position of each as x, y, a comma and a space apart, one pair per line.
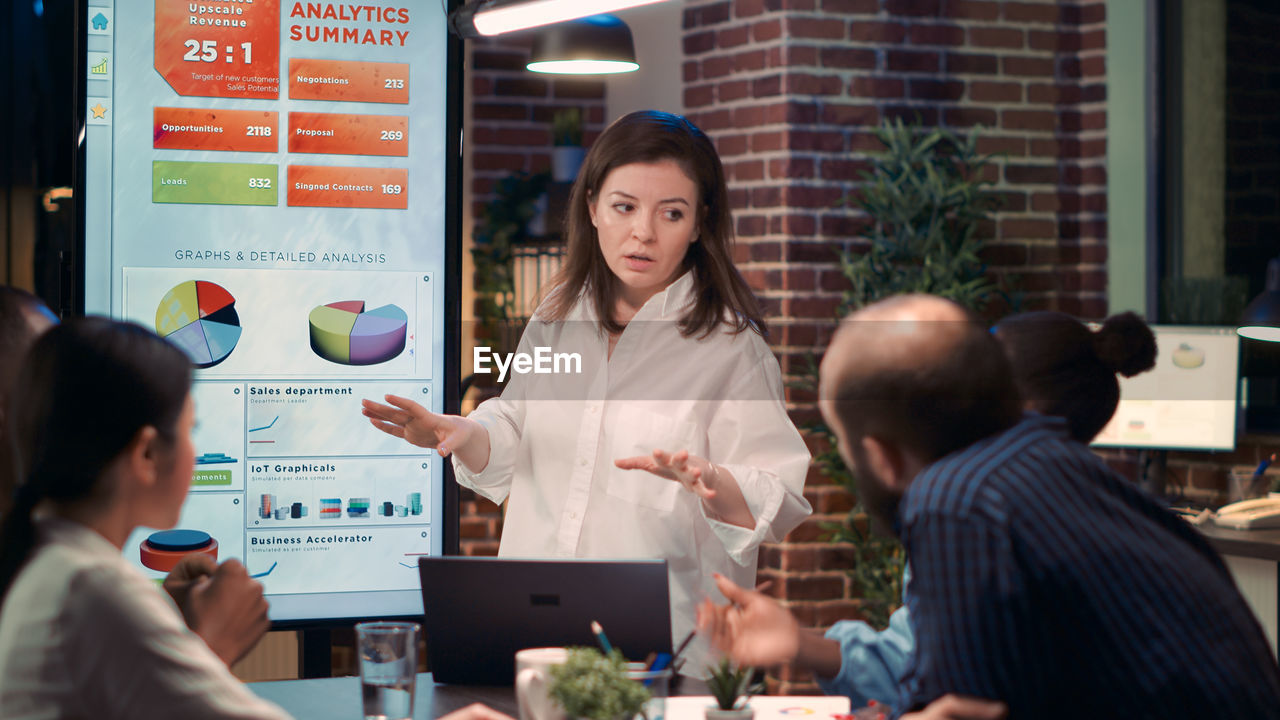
696, 474
446, 434
407, 419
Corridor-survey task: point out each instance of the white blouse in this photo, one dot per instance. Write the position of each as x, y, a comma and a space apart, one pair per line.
83, 634
555, 436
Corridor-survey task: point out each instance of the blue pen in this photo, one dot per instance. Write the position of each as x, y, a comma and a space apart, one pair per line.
660, 662
1262, 466
600, 638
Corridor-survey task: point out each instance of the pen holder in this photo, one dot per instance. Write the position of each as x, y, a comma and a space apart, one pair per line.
658, 683
1244, 485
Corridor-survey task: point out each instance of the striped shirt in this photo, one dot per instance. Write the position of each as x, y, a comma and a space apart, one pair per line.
1043, 579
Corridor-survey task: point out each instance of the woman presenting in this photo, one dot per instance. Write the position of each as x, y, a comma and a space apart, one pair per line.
674, 380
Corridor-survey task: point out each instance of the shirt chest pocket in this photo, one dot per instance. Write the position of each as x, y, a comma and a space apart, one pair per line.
638, 432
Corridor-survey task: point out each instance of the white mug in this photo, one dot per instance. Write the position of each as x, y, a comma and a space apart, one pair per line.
533, 680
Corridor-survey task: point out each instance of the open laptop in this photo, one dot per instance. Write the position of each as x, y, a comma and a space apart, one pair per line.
477, 612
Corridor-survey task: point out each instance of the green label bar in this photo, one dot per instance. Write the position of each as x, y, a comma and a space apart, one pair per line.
208, 183
211, 477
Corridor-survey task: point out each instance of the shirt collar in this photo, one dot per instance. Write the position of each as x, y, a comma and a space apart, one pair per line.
87, 541
670, 302
676, 297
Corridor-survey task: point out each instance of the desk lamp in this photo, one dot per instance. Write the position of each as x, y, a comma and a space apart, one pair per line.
1261, 320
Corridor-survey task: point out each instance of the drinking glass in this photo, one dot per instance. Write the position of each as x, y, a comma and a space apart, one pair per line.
388, 668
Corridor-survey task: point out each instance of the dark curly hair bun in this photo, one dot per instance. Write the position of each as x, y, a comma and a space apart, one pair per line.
1125, 344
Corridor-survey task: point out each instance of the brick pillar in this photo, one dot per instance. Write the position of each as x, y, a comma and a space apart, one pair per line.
510, 131
789, 91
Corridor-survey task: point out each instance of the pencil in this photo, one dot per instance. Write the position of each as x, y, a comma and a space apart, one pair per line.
600, 638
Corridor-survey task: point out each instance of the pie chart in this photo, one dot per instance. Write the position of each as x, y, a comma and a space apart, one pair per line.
200, 317
345, 333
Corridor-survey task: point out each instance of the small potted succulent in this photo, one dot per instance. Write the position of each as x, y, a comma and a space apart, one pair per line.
731, 686
594, 686
567, 152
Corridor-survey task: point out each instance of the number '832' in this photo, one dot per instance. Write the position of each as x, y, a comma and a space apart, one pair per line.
260, 182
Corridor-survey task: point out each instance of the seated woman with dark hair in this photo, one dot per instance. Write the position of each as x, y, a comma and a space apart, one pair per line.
100, 421
1064, 369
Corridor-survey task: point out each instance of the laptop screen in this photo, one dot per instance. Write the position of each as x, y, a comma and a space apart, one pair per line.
479, 611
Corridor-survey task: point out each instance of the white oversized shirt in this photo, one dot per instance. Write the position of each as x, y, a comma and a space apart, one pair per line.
555, 436
83, 634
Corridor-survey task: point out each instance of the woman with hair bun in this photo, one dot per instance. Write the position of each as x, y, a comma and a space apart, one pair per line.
1063, 368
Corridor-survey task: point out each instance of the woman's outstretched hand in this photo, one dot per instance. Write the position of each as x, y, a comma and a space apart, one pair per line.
446, 434
715, 486
696, 474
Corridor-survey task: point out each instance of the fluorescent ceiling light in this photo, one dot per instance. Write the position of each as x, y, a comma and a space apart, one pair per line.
582, 67
494, 17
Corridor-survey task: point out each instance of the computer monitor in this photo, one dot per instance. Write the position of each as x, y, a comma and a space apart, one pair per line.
1188, 401
272, 186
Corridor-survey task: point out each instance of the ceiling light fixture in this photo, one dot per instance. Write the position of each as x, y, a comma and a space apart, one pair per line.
1261, 319
597, 45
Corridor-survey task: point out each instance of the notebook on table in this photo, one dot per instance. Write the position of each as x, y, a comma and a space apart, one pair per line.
477, 612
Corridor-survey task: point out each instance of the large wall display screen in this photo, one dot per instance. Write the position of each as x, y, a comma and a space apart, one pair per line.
265, 186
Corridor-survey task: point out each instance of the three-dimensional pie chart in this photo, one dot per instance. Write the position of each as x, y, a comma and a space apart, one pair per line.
345, 333
200, 317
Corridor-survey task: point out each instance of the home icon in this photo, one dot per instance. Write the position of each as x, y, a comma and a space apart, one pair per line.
99, 22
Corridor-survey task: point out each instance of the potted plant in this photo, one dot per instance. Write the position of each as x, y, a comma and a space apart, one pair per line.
930, 206
567, 151
593, 686
731, 687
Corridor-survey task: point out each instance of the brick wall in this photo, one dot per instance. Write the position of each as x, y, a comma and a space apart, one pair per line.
511, 111
1199, 477
789, 90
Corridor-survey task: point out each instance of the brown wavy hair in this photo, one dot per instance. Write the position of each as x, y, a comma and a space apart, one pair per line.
649, 136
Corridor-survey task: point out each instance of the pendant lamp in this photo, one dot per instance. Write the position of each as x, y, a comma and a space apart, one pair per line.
596, 45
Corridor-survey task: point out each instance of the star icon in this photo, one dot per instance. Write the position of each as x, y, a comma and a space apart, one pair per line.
98, 111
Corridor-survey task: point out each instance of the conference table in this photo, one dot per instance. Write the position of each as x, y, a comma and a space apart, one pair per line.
339, 698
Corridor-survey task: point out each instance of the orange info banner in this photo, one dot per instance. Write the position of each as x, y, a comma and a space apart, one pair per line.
215, 48
348, 187
202, 129
349, 81
342, 134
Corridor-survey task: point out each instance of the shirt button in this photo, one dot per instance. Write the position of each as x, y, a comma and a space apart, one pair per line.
582, 462
592, 409
573, 516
